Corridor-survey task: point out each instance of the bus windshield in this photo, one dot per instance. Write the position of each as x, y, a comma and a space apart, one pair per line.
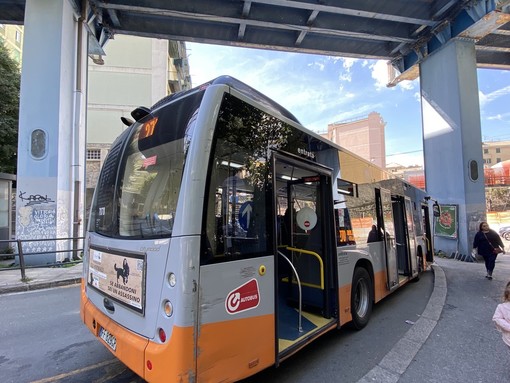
141, 199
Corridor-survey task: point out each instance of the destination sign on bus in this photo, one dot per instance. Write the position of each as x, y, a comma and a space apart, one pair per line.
148, 128
120, 276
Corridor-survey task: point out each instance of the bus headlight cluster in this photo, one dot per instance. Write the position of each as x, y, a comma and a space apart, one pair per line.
168, 308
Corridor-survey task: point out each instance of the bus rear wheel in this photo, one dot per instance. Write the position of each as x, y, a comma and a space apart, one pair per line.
361, 298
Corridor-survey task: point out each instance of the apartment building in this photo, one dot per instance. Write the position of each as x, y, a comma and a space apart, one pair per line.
495, 152
135, 71
363, 136
12, 37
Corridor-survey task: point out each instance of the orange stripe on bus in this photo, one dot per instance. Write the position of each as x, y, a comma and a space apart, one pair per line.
380, 285
134, 351
130, 347
344, 296
235, 349
173, 361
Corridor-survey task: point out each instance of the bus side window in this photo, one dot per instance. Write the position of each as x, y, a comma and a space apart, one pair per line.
344, 234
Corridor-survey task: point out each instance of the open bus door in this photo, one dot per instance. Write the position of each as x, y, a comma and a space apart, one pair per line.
405, 242
428, 237
388, 226
306, 292
411, 232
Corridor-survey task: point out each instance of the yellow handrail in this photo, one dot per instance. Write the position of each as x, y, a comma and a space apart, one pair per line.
303, 251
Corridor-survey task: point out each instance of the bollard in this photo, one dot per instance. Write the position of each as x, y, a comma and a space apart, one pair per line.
21, 260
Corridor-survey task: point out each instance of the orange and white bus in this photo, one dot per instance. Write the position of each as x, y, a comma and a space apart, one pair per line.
224, 237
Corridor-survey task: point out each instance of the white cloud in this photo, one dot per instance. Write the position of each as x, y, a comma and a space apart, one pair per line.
380, 74
406, 159
497, 117
482, 98
348, 63
492, 96
345, 77
408, 85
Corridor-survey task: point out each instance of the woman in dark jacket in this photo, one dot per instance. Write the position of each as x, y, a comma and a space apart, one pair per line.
486, 240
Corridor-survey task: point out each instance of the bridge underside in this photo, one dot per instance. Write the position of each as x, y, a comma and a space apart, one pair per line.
402, 32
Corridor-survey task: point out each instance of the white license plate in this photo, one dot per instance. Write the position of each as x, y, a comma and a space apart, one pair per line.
109, 339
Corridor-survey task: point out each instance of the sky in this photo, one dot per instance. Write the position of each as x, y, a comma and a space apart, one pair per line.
320, 90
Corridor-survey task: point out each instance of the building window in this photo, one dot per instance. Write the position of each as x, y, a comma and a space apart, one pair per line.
498, 150
498, 160
486, 151
487, 160
93, 154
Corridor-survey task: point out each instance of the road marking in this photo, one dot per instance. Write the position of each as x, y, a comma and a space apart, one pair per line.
75, 372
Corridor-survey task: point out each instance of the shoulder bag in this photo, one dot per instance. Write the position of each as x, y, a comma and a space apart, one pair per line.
495, 250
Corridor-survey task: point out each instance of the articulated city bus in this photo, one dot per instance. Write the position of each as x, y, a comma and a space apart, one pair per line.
224, 237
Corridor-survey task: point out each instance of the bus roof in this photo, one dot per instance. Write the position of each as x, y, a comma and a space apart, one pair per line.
238, 86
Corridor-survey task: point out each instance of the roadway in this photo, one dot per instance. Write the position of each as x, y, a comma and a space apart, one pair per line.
43, 339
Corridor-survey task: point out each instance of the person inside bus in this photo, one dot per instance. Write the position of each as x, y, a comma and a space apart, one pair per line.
288, 227
373, 235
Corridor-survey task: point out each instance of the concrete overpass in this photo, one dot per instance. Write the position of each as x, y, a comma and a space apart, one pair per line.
442, 41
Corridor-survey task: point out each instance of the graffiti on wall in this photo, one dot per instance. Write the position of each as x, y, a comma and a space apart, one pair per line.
34, 199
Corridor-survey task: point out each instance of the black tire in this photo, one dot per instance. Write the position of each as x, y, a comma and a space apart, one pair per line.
362, 298
506, 235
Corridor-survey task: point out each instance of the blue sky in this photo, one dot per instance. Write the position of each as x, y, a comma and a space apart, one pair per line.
320, 90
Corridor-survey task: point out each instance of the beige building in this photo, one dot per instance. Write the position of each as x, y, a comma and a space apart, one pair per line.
12, 37
364, 136
135, 71
495, 152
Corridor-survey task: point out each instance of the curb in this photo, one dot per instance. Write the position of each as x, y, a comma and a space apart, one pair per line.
398, 359
38, 285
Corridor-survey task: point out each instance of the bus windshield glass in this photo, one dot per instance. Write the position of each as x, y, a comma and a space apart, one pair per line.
150, 163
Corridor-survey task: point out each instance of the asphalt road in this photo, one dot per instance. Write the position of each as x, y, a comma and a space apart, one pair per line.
43, 341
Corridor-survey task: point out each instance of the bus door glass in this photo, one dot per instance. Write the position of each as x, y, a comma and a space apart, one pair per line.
428, 237
401, 235
411, 236
303, 255
389, 239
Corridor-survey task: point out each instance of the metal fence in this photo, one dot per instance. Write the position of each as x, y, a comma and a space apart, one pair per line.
15, 248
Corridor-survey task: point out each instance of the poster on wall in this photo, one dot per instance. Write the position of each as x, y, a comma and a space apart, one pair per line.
446, 223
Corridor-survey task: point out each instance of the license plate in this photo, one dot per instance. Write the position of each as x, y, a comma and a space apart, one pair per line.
109, 339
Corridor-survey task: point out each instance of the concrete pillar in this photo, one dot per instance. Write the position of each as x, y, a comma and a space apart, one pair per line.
452, 139
51, 148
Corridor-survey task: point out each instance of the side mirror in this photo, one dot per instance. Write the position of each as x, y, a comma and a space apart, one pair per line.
436, 209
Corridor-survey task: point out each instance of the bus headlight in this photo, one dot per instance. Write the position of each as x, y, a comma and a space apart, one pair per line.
172, 279
168, 308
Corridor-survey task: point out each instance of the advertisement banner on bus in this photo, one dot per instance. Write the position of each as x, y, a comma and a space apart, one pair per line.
120, 276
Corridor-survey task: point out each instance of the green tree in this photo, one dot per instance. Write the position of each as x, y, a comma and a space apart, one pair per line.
9, 111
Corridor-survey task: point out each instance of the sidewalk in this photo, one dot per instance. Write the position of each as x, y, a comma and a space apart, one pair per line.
454, 340
39, 278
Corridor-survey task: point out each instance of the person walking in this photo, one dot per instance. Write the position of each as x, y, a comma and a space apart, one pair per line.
488, 244
501, 316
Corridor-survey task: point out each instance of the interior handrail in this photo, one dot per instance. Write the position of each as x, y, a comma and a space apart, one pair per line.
300, 327
321, 264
